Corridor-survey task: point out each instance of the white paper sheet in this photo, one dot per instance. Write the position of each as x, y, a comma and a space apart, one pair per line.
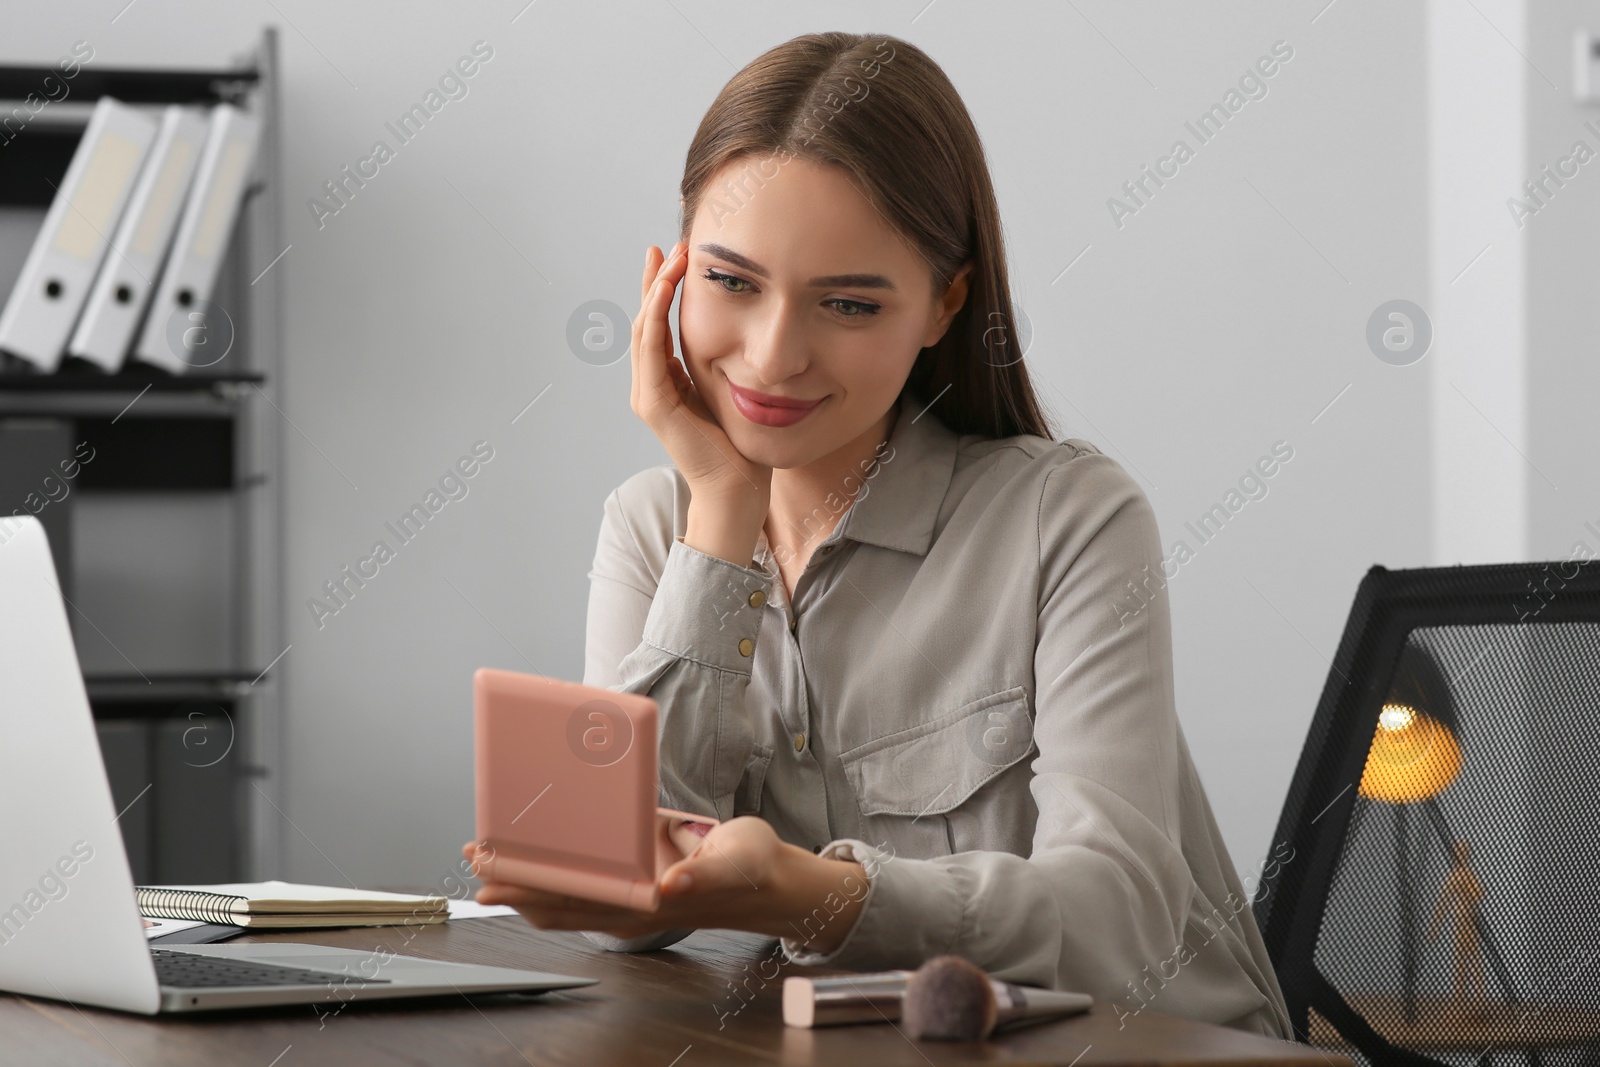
154, 928
471, 909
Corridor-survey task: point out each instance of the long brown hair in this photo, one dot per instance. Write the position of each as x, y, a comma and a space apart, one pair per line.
883, 110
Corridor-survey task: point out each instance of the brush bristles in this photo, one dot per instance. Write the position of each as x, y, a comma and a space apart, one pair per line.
948, 999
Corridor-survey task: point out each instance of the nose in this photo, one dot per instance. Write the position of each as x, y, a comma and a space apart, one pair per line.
777, 348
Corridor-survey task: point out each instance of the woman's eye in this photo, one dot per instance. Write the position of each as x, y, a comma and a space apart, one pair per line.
719, 277
845, 309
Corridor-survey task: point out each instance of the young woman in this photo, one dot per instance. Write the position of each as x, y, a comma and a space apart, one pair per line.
888, 619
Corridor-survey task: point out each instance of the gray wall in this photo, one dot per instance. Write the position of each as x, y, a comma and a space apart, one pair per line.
1563, 292
1226, 315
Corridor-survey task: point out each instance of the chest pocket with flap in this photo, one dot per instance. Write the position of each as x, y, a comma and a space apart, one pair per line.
935, 766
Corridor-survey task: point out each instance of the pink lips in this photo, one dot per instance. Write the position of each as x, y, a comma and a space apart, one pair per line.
767, 410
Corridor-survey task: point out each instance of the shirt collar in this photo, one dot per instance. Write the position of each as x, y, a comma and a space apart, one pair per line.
898, 506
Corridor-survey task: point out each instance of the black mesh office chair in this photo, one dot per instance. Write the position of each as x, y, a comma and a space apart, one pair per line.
1441, 903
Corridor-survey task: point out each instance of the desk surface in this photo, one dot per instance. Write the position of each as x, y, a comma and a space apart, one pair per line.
714, 998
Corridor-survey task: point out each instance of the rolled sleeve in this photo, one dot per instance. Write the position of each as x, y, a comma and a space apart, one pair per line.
686, 637
674, 630
702, 612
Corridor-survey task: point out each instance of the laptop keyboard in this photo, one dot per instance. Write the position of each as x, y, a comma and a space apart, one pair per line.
190, 970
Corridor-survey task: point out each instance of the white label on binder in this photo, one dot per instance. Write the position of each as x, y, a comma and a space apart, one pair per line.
176, 323
83, 232
127, 280
72, 243
218, 216
172, 181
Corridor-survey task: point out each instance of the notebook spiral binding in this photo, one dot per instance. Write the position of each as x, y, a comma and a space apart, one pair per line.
191, 904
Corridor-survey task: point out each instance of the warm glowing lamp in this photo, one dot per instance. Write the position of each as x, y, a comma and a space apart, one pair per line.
1413, 757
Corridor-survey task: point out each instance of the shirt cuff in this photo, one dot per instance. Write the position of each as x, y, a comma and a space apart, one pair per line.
708, 610
911, 913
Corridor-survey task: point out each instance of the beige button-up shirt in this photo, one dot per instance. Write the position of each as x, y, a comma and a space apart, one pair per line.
966, 695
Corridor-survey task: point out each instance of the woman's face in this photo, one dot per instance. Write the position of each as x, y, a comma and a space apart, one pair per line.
797, 288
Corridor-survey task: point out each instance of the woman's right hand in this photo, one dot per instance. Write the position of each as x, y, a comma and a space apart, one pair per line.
728, 491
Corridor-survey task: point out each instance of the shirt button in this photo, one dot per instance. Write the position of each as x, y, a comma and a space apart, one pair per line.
826, 549
757, 598
794, 624
799, 742
746, 646
816, 848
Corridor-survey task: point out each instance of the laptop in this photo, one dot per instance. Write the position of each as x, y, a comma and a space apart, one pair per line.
70, 927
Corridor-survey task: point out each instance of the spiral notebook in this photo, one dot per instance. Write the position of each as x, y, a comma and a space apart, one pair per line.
288, 904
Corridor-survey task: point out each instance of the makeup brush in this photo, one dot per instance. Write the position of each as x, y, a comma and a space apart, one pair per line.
844, 999
950, 999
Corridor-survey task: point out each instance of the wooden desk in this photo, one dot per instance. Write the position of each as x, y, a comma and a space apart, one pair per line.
1442, 1026
700, 1003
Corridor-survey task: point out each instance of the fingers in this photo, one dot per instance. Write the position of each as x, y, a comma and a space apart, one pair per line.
652, 263
711, 866
655, 332
679, 879
652, 266
522, 897
653, 382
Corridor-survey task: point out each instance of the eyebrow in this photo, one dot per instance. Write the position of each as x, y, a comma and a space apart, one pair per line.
843, 281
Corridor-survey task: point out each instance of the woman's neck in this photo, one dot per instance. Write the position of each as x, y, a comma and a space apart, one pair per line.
808, 502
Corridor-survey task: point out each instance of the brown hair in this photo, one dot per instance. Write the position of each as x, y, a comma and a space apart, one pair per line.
883, 110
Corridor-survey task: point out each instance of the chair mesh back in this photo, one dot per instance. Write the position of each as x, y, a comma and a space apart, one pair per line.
1447, 902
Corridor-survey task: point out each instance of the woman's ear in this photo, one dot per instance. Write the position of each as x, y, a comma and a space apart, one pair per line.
955, 295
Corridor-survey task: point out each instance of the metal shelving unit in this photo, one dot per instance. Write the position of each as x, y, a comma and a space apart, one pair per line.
174, 557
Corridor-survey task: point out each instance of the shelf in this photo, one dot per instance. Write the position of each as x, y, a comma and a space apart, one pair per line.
161, 688
87, 381
145, 85
36, 161
175, 525
37, 157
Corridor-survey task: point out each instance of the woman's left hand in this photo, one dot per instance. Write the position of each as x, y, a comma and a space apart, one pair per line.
728, 880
